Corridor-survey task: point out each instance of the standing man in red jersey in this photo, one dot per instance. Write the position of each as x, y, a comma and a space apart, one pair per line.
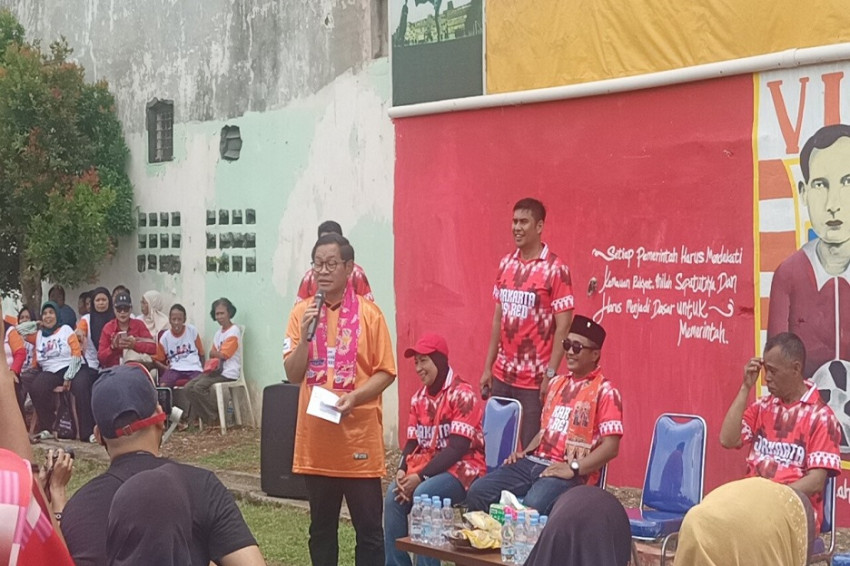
534, 310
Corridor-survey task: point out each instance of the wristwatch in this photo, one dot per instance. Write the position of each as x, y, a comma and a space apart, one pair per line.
550, 373
574, 466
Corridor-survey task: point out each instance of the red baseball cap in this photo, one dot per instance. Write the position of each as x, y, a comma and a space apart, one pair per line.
428, 343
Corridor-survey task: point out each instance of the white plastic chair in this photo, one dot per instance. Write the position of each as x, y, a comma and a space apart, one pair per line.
230, 386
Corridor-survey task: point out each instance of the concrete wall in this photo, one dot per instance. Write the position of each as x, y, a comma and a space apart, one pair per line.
300, 81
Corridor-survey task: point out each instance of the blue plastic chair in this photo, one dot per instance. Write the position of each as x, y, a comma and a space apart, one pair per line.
820, 552
674, 478
502, 417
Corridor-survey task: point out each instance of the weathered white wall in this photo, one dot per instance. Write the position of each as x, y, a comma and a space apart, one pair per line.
311, 103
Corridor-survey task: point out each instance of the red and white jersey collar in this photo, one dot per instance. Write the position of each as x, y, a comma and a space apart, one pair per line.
544, 253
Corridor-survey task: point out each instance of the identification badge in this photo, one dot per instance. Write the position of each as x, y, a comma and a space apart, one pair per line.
331, 357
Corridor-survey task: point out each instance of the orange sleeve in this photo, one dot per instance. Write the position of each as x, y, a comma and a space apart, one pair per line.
31, 338
199, 345
160, 353
229, 347
76, 352
15, 341
83, 326
382, 357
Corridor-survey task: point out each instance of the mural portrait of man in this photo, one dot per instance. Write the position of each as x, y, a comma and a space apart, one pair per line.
810, 291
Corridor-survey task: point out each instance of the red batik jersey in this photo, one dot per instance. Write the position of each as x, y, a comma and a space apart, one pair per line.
560, 398
309, 286
530, 293
460, 414
786, 441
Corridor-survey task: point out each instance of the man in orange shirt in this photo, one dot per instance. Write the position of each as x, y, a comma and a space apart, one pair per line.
350, 355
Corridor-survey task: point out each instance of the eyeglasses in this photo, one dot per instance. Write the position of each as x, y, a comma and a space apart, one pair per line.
318, 267
122, 309
576, 346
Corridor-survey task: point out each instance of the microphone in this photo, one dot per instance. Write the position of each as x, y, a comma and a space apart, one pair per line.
311, 330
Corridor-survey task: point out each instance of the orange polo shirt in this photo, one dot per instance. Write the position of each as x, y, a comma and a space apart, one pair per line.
354, 448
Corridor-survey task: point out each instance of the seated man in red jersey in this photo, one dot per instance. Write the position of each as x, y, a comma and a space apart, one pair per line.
792, 436
580, 431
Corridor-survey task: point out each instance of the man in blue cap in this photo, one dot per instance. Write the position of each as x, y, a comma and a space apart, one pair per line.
102, 524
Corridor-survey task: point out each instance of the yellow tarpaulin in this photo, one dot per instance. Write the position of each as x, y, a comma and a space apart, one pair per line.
544, 43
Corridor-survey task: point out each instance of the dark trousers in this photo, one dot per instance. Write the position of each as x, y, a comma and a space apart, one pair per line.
521, 478
365, 503
41, 392
532, 408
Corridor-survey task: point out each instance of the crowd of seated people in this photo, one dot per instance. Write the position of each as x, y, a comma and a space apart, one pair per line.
62, 352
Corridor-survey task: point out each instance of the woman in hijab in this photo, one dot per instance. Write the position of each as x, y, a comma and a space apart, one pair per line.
59, 358
587, 527
91, 325
750, 522
444, 453
152, 313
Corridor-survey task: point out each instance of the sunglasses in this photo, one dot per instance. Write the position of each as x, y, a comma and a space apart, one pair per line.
575, 346
122, 309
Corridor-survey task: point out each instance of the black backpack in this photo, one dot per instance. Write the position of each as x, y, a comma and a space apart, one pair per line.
65, 426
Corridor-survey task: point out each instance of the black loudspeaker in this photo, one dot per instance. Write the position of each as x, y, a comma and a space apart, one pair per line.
277, 444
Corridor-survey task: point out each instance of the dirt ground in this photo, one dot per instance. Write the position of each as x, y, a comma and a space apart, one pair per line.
239, 450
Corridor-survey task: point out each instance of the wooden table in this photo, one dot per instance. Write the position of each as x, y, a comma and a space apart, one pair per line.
449, 554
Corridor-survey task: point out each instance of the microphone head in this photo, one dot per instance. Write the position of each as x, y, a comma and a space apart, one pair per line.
320, 297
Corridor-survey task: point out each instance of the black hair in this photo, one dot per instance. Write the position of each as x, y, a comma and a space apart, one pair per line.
179, 307
790, 345
58, 289
346, 250
120, 288
534, 206
25, 308
231, 310
329, 227
821, 139
85, 295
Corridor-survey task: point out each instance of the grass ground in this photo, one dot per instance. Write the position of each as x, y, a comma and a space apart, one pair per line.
281, 531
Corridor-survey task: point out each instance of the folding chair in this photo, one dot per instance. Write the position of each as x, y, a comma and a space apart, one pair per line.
675, 473
820, 552
502, 417
230, 386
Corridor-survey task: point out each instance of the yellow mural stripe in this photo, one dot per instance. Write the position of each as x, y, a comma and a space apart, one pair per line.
549, 43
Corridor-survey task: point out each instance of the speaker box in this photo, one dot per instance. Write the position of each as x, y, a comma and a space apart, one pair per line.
277, 443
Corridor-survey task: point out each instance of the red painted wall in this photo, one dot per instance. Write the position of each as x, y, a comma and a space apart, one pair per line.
658, 169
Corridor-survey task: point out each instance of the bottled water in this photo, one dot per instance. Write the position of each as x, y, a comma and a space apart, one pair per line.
508, 550
533, 535
436, 521
448, 520
416, 520
520, 539
425, 531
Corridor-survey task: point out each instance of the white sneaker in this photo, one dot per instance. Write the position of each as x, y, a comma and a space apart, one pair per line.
92, 439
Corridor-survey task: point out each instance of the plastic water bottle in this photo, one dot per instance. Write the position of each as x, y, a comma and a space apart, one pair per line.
520, 538
415, 528
230, 419
436, 521
508, 549
533, 535
448, 520
425, 531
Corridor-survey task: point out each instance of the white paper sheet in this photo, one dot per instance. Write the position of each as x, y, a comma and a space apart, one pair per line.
323, 405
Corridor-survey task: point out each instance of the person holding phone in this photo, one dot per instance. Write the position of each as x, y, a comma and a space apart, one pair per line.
123, 333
